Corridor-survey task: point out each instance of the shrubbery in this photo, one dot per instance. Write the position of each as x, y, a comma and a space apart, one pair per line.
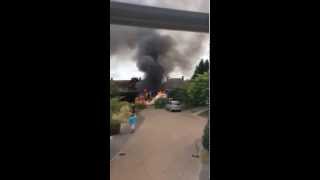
121, 111
195, 93
115, 127
140, 106
160, 103
179, 94
205, 137
115, 105
198, 90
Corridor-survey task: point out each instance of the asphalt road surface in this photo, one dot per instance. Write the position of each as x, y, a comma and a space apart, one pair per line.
161, 149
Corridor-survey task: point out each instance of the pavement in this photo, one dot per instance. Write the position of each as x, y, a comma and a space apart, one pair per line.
205, 164
205, 171
117, 141
199, 110
161, 148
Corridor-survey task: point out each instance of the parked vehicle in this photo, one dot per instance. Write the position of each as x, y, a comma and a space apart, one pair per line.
174, 106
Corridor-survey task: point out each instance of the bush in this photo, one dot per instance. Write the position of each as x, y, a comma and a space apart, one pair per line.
160, 103
125, 103
198, 90
115, 127
123, 114
140, 106
205, 138
179, 94
115, 105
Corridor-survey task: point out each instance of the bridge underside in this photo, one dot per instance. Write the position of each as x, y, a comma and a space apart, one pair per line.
159, 18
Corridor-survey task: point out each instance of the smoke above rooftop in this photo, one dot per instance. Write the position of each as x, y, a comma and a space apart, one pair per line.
157, 53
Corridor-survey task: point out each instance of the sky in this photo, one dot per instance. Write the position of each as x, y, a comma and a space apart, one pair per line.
123, 68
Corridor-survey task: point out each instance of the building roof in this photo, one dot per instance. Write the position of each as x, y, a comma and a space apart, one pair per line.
174, 83
129, 85
125, 85
122, 83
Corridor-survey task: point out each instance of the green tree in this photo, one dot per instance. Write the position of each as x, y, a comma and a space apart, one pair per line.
201, 68
115, 105
206, 66
198, 70
160, 103
198, 90
179, 94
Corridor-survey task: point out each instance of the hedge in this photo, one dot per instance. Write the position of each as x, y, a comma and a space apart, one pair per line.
161, 103
205, 138
140, 106
115, 127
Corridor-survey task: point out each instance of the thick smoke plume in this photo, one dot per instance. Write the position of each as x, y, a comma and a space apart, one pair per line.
157, 52
152, 53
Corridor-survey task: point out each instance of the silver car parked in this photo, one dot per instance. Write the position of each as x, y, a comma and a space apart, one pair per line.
173, 106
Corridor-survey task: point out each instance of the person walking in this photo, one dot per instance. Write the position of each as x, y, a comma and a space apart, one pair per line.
132, 121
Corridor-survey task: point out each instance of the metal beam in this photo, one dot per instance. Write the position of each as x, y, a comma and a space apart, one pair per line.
160, 18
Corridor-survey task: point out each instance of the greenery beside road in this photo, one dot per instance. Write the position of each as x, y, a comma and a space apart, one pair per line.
119, 110
160, 103
139, 106
205, 138
195, 93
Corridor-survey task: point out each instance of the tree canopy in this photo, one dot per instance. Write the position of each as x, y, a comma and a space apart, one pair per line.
201, 68
195, 92
198, 90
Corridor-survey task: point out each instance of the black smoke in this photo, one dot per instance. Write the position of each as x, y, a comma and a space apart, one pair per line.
152, 51
156, 53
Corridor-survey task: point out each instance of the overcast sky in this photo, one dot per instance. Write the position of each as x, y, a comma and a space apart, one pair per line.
125, 70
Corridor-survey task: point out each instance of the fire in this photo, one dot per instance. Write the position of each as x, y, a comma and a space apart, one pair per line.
161, 93
146, 98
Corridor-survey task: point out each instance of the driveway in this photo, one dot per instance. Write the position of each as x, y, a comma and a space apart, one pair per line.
161, 149
119, 140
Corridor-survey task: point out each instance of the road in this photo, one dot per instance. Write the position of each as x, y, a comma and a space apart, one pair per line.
119, 140
161, 149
